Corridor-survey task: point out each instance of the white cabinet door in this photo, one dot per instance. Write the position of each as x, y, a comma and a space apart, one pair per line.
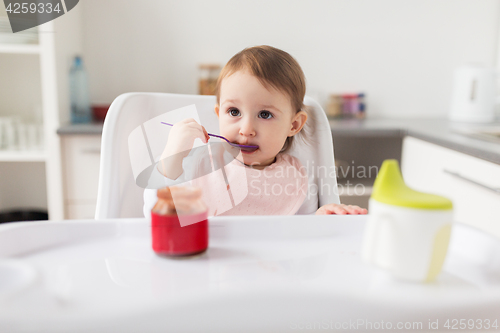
81, 156
430, 168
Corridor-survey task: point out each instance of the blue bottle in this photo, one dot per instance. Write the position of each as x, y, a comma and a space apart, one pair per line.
79, 93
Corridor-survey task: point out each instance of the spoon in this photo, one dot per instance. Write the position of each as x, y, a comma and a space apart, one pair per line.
243, 147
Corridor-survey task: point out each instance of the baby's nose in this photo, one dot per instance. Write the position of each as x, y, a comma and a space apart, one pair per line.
247, 128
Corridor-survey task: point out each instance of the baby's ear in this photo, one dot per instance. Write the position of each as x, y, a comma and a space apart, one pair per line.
298, 121
216, 109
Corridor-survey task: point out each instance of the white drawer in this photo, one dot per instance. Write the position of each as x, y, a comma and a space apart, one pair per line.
431, 168
81, 156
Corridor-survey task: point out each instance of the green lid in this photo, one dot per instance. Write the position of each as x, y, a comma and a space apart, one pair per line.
390, 188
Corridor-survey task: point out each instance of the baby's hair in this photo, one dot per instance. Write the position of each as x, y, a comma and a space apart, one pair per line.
273, 67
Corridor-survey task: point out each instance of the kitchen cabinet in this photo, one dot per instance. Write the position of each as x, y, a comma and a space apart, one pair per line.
28, 83
34, 87
471, 183
81, 158
358, 157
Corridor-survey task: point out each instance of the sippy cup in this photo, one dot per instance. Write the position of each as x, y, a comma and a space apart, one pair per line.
179, 223
407, 231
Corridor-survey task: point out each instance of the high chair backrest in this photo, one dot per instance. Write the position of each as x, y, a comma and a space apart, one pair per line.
119, 196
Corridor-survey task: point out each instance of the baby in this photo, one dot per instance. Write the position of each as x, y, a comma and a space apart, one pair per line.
260, 95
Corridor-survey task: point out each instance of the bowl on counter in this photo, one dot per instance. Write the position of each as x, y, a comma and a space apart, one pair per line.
99, 112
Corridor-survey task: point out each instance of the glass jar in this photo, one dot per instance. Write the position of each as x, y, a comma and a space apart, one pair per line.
334, 106
179, 222
208, 75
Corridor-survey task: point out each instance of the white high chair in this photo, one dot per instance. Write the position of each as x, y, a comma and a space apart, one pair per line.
119, 196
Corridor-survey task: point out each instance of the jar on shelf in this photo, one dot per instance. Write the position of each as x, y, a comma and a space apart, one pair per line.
208, 74
334, 106
362, 106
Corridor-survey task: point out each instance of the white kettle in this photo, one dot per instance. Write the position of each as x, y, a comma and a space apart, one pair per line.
474, 94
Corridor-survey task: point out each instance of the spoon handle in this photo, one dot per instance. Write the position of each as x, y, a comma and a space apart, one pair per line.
220, 137
215, 135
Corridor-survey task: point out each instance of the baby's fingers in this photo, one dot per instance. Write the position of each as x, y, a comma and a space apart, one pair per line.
331, 209
199, 131
355, 210
203, 135
206, 134
340, 210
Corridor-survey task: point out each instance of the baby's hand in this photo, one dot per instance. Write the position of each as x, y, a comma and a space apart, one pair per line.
181, 137
180, 142
340, 209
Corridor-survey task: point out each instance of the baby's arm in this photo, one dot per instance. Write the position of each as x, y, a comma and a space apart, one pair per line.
340, 209
180, 142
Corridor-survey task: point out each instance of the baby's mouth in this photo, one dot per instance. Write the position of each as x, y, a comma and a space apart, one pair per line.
246, 147
248, 150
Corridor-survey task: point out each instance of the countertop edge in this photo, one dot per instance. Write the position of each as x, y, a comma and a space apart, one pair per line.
81, 129
472, 151
371, 128
441, 132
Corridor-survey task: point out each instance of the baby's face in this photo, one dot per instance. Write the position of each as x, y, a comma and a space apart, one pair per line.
252, 114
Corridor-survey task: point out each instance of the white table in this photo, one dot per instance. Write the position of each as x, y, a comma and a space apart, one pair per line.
260, 274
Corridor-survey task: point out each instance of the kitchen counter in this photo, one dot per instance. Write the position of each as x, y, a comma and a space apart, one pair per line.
438, 131
79, 129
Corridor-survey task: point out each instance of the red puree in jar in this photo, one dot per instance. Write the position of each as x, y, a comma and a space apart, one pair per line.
179, 222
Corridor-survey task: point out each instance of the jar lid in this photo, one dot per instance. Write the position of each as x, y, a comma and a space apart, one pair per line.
390, 188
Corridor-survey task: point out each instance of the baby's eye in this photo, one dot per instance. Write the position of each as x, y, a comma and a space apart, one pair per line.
265, 115
234, 112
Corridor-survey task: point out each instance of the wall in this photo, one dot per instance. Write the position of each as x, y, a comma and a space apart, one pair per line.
68, 44
401, 53
22, 186
20, 92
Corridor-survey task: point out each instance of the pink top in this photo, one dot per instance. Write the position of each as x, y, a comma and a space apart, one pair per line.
278, 189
